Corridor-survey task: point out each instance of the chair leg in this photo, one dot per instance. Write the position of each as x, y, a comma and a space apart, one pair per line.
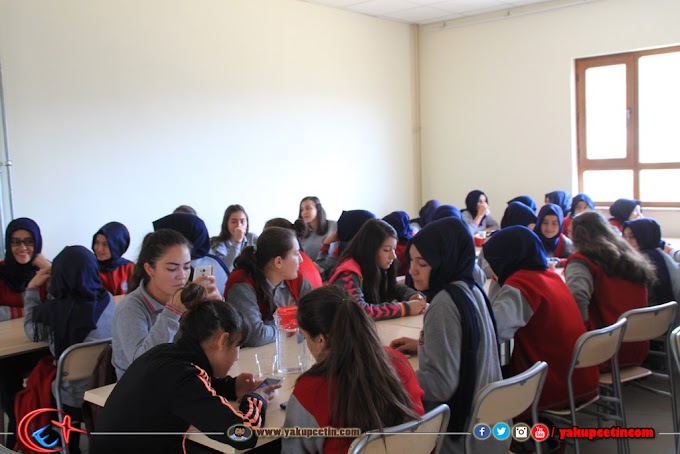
674, 404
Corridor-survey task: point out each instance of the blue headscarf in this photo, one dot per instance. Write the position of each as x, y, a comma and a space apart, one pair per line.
581, 197
426, 213
118, 238
526, 200
446, 211
401, 222
76, 302
518, 213
560, 198
622, 209
15, 275
550, 244
349, 224
471, 202
192, 227
512, 249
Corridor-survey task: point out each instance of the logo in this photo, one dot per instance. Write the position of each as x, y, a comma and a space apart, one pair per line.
481, 431
540, 432
521, 432
239, 432
501, 431
44, 440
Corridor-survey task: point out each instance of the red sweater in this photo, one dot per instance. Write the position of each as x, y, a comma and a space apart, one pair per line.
116, 281
14, 300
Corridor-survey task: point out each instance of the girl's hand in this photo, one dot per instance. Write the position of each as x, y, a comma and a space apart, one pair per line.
209, 283
405, 345
417, 297
41, 261
331, 238
40, 278
417, 307
176, 301
244, 384
268, 391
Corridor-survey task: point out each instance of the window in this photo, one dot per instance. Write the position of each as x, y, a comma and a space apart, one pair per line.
628, 127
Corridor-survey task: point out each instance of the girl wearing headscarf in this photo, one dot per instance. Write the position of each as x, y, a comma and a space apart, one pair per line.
400, 222
549, 230
624, 210
447, 211
193, 229
334, 244
533, 305
607, 278
477, 214
526, 200
457, 350
561, 199
109, 244
425, 215
645, 236
579, 204
78, 310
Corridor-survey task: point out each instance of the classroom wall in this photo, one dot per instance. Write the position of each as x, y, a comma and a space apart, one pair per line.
123, 110
497, 98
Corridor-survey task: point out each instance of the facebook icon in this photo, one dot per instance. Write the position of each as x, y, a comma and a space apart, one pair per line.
482, 431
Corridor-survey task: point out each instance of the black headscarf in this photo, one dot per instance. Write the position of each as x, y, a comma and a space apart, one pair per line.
118, 238
622, 209
401, 222
349, 224
191, 227
512, 249
15, 275
426, 213
471, 201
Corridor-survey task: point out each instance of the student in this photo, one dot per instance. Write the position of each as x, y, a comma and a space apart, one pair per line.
317, 227
446, 211
193, 228
308, 269
78, 310
109, 244
234, 236
265, 279
334, 244
526, 200
549, 230
518, 213
148, 315
425, 215
533, 305
624, 210
477, 214
644, 235
172, 387
607, 277
457, 350
367, 271
561, 199
401, 223
579, 204
337, 391
186, 209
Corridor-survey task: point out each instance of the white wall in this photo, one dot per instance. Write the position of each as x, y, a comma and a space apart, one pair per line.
123, 110
497, 98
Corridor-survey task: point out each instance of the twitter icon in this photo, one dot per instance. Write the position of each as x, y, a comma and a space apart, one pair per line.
501, 431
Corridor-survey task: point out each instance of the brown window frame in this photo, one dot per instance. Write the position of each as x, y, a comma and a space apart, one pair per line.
631, 161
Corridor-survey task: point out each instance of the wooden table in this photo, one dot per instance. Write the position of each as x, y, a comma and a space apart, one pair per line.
13, 340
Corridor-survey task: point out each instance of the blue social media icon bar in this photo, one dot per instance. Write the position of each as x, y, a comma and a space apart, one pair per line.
501, 431
481, 431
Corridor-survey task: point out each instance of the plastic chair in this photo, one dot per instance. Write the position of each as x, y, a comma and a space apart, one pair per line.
503, 400
432, 425
593, 348
76, 363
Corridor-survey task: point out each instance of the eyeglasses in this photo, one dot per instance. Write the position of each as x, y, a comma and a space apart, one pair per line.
16, 242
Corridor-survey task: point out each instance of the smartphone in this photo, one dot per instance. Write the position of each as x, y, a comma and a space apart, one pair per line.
269, 382
200, 271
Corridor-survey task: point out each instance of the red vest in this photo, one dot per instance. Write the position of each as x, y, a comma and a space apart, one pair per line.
14, 300
309, 271
241, 276
116, 281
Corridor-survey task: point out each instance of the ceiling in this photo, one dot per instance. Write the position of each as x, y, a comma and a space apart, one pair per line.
430, 11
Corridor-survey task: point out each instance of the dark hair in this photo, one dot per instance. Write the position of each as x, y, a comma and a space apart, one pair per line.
185, 209
273, 242
595, 238
155, 244
353, 347
279, 222
378, 285
322, 222
224, 233
204, 317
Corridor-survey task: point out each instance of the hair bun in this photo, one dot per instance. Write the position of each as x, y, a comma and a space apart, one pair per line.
192, 295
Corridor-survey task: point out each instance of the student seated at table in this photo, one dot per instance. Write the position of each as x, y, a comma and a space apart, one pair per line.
533, 305
337, 391
580, 203
447, 211
477, 214
109, 244
425, 215
401, 223
549, 230
607, 278
316, 226
645, 236
525, 200
265, 279
23, 258
147, 315
177, 385
623, 210
234, 237
367, 272
561, 199
335, 243
78, 310
457, 350
185, 209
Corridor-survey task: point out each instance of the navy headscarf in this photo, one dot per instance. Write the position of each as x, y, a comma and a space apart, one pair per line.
560, 198
526, 200
518, 213
622, 209
15, 275
471, 202
512, 249
192, 227
446, 211
581, 197
401, 222
647, 233
77, 299
118, 238
550, 244
426, 213
349, 224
